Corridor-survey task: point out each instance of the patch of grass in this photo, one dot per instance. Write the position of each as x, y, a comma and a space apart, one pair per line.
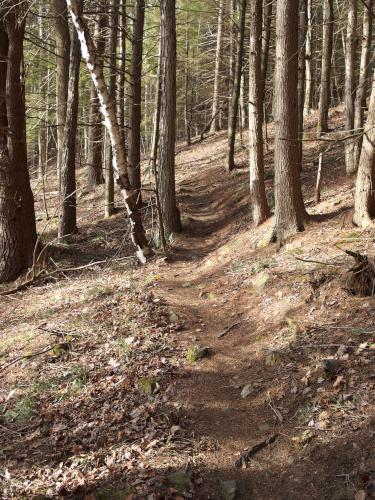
97, 292
21, 410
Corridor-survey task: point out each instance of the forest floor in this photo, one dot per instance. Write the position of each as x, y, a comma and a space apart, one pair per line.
100, 397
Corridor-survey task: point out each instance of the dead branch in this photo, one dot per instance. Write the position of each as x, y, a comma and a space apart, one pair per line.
244, 459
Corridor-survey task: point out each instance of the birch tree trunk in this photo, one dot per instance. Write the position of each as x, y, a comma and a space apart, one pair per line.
258, 200
108, 108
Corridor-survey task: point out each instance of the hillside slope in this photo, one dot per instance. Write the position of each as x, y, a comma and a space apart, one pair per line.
100, 400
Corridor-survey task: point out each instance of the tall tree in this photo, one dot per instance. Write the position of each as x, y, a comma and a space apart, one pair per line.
289, 214
68, 219
62, 38
308, 61
258, 200
167, 134
108, 108
233, 112
266, 37
135, 115
109, 202
350, 52
325, 78
95, 134
364, 198
219, 49
361, 94
17, 217
301, 73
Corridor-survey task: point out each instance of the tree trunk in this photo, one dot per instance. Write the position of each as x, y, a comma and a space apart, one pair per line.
135, 115
289, 214
108, 108
350, 53
364, 199
308, 62
62, 38
68, 219
122, 69
219, 43
259, 205
325, 80
301, 74
187, 110
17, 217
109, 201
360, 98
266, 37
95, 150
233, 114
171, 215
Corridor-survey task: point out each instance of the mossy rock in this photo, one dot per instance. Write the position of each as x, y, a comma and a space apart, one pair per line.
228, 489
196, 352
147, 385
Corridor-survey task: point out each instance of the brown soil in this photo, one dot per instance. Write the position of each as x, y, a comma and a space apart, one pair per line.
285, 316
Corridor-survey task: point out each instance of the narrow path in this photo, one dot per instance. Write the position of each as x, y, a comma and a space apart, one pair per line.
199, 287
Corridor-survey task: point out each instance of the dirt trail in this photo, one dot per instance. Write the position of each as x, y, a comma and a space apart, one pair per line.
202, 286
200, 289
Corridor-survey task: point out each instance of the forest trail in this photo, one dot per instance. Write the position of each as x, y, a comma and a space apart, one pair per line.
98, 399
216, 285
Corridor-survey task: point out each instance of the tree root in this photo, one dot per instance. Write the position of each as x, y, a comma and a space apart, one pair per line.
361, 277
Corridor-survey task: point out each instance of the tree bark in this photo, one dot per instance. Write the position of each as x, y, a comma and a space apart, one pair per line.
360, 98
62, 38
325, 80
289, 213
108, 108
219, 43
364, 199
68, 219
121, 92
135, 115
307, 106
259, 206
171, 215
17, 217
233, 112
109, 201
350, 53
266, 37
301, 74
95, 134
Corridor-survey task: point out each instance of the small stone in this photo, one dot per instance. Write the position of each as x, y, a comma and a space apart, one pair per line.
228, 489
246, 391
173, 318
331, 366
186, 285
